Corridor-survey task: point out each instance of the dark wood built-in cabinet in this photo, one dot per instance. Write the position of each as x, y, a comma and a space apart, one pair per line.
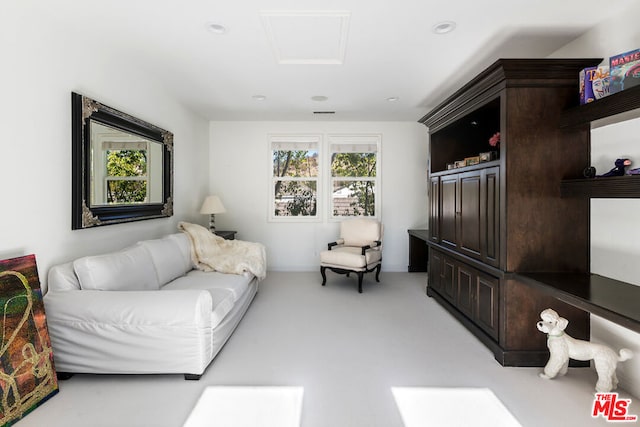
491, 220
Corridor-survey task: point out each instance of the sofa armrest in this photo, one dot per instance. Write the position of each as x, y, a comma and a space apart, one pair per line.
121, 332
117, 308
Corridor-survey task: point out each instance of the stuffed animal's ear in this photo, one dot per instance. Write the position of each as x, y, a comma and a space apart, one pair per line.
549, 315
562, 323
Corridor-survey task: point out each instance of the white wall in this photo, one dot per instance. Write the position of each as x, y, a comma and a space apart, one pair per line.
41, 66
240, 174
615, 230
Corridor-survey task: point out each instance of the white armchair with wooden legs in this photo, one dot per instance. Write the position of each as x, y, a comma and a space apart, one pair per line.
358, 250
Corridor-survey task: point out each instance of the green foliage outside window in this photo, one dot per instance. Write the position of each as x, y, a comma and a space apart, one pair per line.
295, 196
128, 164
361, 192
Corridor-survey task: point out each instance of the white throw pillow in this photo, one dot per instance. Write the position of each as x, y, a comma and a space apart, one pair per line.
130, 269
168, 258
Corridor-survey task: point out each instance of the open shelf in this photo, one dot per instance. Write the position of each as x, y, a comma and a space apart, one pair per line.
608, 298
614, 187
618, 103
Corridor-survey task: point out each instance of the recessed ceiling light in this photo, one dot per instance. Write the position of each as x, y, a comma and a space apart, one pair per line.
216, 28
393, 99
319, 98
444, 27
259, 97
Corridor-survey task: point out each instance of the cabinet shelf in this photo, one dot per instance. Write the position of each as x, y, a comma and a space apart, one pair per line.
482, 165
618, 103
615, 187
611, 299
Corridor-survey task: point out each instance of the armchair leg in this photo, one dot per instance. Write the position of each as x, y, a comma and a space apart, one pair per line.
324, 275
378, 267
360, 275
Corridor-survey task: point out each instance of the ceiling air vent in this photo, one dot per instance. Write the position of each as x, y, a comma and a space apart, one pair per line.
324, 112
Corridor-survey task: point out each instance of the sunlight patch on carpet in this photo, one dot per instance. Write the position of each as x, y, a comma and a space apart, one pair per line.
247, 407
422, 406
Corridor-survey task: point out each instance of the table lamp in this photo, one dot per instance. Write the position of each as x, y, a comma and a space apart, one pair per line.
212, 205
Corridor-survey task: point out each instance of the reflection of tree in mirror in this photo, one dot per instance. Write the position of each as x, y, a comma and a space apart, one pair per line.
295, 195
355, 197
126, 176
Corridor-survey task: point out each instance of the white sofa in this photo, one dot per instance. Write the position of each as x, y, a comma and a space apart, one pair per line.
142, 310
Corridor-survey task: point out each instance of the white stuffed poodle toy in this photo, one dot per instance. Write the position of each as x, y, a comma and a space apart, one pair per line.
563, 347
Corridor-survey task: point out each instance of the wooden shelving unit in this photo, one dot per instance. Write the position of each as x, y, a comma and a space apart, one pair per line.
614, 108
608, 298
618, 103
615, 187
611, 299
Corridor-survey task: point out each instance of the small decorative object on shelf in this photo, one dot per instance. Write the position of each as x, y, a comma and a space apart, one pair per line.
451, 166
618, 170
470, 161
459, 164
488, 156
494, 141
589, 172
594, 83
562, 347
635, 171
624, 70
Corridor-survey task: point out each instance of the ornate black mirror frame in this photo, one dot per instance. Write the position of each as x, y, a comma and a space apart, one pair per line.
84, 111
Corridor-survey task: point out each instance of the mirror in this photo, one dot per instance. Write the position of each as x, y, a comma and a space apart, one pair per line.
122, 166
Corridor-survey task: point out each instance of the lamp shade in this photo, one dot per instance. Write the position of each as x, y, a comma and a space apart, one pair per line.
212, 205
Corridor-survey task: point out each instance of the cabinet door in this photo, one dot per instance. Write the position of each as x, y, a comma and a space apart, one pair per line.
434, 209
448, 209
469, 209
466, 289
435, 271
448, 278
487, 303
490, 220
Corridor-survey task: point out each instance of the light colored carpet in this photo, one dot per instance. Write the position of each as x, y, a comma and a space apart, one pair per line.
348, 351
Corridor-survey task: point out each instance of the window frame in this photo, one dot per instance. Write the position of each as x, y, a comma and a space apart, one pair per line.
354, 139
304, 139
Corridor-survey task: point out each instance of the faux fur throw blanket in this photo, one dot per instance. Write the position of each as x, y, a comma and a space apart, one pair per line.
213, 253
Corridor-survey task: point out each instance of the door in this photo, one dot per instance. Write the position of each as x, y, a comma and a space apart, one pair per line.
448, 205
466, 289
490, 220
448, 278
469, 213
434, 209
435, 271
486, 309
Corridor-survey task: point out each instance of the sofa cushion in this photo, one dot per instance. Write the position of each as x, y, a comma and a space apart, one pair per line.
62, 277
223, 299
130, 269
236, 283
168, 257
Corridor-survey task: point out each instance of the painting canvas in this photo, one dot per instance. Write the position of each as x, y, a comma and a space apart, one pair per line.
27, 373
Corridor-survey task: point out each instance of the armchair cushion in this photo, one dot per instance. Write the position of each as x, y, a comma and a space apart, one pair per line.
360, 232
350, 257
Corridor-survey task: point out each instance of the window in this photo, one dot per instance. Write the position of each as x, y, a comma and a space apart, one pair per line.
295, 177
354, 175
126, 175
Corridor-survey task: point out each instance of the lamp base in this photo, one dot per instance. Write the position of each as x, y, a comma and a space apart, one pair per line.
212, 223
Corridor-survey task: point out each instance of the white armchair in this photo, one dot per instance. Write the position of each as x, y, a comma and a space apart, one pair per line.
358, 250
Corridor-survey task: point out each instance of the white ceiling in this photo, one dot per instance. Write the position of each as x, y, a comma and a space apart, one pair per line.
357, 53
